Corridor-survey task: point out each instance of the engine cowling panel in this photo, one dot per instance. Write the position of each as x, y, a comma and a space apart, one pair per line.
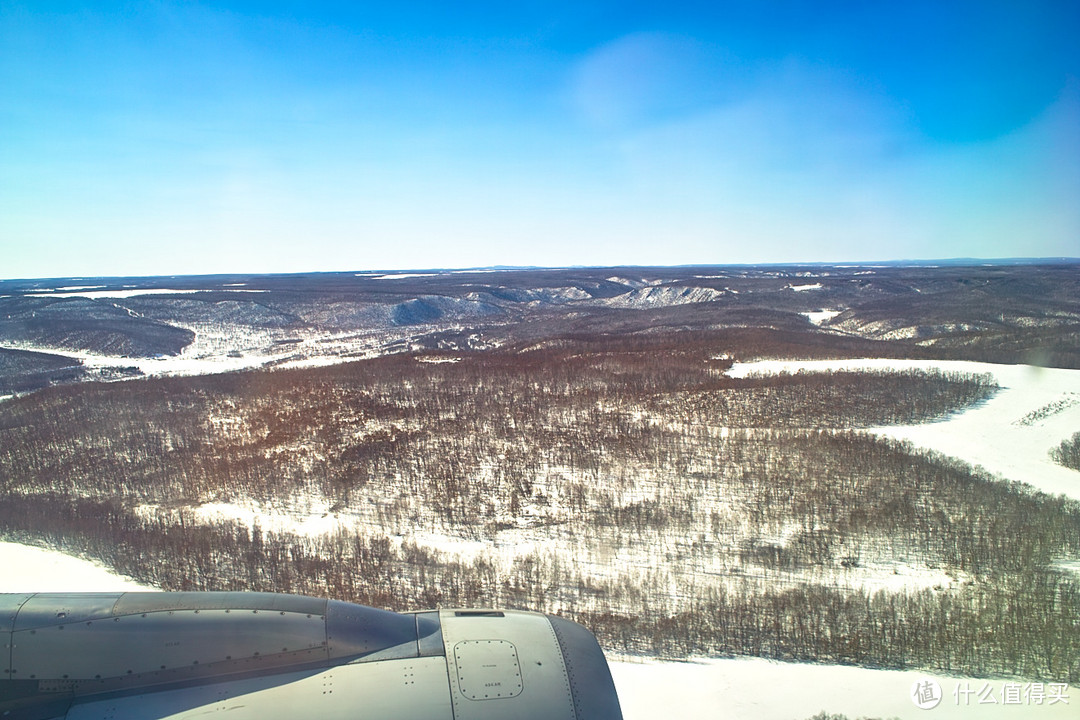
264, 655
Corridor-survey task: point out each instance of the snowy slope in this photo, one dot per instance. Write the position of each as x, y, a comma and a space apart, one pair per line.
32, 569
653, 297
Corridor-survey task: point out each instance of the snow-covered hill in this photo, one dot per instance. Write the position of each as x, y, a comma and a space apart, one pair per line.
653, 297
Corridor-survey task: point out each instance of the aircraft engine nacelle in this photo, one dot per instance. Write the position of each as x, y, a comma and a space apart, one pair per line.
266, 656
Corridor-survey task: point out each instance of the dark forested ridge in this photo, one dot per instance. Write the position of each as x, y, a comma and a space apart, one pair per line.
22, 370
86, 324
263, 434
623, 480
1021, 313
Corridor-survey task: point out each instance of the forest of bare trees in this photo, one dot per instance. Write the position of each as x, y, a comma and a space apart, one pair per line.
627, 483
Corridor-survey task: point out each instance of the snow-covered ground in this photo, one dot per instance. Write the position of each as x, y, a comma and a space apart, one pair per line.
735, 689
33, 569
121, 294
398, 276
753, 688
183, 364
819, 317
318, 519
1010, 435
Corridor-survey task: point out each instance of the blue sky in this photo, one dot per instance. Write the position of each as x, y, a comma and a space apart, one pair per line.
182, 137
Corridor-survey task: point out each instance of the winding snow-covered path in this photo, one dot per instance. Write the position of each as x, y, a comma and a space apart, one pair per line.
1010, 435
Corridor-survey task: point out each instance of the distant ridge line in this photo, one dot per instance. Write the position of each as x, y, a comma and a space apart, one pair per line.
220, 277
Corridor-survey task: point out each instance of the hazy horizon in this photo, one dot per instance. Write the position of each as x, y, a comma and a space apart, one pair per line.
361, 272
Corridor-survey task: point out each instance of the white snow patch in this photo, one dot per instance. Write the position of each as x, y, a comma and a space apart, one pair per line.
803, 288
400, 276
30, 569
757, 689
433, 359
317, 520
988, 434
182, 364
820, 316
129, 293
112, 293
563, 293
461, 547
897, 577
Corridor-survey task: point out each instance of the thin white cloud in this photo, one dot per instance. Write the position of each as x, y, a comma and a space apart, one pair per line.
641, 77
813, 164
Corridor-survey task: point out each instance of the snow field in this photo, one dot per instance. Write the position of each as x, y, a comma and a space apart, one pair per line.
819, 317
215, 351
757, 689
28, 569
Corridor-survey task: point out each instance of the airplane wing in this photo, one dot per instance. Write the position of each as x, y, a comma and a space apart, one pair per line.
146, 655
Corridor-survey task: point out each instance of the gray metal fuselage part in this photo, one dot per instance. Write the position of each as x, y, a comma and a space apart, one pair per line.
261, 655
